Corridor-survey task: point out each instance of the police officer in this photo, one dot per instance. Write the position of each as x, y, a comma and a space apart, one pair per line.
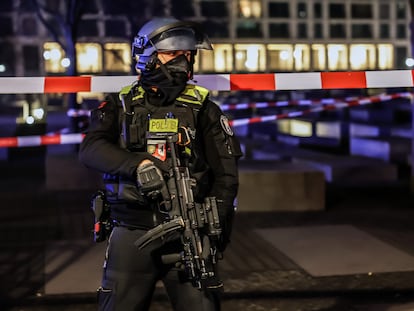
117, 145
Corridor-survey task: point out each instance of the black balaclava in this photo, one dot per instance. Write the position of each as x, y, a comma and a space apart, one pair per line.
168, 80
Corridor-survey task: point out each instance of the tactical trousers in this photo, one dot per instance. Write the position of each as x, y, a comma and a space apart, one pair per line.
130, 276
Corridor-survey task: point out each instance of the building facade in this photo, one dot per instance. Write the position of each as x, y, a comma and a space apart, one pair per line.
248, 35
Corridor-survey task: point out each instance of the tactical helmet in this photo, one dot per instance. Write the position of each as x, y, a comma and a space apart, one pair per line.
166, 34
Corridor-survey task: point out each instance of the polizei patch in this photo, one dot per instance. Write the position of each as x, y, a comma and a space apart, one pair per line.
163, 125
225, 125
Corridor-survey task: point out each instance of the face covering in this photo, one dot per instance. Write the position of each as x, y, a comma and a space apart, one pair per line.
168, 80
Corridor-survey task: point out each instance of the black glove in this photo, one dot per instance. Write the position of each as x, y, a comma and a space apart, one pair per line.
226, 215
150, 179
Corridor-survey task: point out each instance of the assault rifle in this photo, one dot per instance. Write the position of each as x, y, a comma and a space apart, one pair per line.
198, 223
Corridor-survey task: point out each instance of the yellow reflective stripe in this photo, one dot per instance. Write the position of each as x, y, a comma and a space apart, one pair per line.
187, 151
140, 93
193, 94
126, 89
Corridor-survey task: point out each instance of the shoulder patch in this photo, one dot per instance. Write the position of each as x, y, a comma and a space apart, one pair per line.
225, 125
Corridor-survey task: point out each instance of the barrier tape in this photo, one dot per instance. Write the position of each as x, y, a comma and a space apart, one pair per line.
37, 140
308, 102
284, 103
218, 82
337, 105
73, 113
56, 139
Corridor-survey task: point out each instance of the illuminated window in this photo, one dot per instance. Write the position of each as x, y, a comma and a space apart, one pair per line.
204, 61
385, 56
250, 8
218, 60
301, 57
249, 57
362, 56
117, 57
300, 128
89, 57
54, 56
328, 129
337, 57
280, 57
318, 57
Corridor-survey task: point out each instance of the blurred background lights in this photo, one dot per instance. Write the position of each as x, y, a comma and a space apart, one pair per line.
65, 62
252, 57
409, 62
55, 54
30, 120
284, 55
46, 55
38, 113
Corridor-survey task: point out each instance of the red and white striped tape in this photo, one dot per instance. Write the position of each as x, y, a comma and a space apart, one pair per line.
73, 113
309, 102
37, 140
332, 106
218, 82
60, 139
284, 103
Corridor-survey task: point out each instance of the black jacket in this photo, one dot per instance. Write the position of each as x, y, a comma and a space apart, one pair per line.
220, 149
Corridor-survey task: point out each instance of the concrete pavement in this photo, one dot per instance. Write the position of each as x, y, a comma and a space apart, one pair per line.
356, 254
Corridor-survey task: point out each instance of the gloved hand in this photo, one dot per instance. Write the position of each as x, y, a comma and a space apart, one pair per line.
226, 215
150, 179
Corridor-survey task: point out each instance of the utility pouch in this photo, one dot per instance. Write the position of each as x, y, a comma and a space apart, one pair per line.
103, 222
119, 190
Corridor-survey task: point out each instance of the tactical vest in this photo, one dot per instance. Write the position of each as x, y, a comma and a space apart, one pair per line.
137, 115
135, 119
